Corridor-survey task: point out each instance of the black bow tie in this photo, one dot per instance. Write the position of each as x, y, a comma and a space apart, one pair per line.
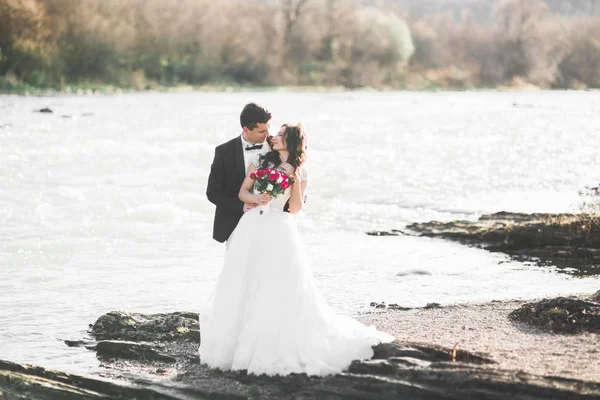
255, 147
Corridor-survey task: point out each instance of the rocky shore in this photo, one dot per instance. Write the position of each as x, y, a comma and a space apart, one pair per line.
542, 337
568, 241
542, 349
496, 350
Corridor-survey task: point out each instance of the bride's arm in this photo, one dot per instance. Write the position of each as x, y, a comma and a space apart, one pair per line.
246, 196
297, 196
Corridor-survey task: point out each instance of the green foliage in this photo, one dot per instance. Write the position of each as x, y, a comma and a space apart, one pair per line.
385, 36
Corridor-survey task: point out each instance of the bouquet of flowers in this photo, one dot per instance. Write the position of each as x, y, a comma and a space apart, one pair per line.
270, 181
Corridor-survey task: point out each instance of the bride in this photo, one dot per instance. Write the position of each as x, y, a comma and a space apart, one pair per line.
266, 314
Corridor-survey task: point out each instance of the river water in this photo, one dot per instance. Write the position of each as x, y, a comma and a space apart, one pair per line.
102, 202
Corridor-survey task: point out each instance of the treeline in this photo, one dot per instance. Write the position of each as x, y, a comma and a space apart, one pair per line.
146, 43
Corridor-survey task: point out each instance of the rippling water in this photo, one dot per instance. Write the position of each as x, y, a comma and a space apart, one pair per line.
102, 203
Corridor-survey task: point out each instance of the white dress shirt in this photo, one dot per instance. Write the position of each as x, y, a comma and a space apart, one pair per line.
251, 156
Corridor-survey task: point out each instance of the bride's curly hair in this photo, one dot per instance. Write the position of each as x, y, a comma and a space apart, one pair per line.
295, 140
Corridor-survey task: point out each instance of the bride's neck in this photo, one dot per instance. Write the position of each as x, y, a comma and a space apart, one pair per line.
283, 156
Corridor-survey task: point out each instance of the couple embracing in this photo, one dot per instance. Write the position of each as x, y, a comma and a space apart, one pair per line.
265, 314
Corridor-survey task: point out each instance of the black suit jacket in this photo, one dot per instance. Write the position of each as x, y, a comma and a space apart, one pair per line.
224, 182
227, 174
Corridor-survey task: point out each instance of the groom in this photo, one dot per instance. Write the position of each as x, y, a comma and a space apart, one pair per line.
229, 168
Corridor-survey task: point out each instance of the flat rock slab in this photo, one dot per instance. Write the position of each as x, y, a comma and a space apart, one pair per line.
518, 230
428, 353
131, 350
393, 378
403, 371
568, 241
445, 380
31, 382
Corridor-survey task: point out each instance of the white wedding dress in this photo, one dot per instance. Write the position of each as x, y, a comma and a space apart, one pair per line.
266, 316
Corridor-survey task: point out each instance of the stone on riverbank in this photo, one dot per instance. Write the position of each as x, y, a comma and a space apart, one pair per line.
412, 370
507, 230
560, 315
565, 240
118, 325
31, 382
125, 349
171, 370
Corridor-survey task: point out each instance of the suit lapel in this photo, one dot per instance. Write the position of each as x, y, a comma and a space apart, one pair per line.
239, 158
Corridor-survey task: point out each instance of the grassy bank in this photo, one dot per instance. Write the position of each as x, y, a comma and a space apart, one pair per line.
100, 88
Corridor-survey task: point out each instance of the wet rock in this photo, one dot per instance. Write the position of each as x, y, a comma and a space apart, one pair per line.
409, 362
397, 370
517, 230
382, 233
568, 241
78, 343
118, 325
372, 367
414, 272
560, 315
432, 305
378, 305
30, 382
143, 343
133, 350
427, 352
393, 378
45, 110
392, 306
445, 380
393, 232
399, 308
596, 297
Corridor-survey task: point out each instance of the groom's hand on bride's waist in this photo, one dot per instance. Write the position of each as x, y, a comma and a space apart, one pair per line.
249, 206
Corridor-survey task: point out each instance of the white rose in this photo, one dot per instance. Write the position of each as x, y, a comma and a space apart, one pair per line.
280, 179
269, 187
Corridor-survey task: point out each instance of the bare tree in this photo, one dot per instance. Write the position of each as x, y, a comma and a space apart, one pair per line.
516, 19
292, 11
582, 65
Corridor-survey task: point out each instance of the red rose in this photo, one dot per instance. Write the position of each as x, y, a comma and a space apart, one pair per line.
261, 172
274, 176
252, 175
284, 184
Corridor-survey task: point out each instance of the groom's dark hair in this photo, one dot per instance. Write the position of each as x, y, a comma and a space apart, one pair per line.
254, 114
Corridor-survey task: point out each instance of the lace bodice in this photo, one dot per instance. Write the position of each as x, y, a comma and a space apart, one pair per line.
278, 203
